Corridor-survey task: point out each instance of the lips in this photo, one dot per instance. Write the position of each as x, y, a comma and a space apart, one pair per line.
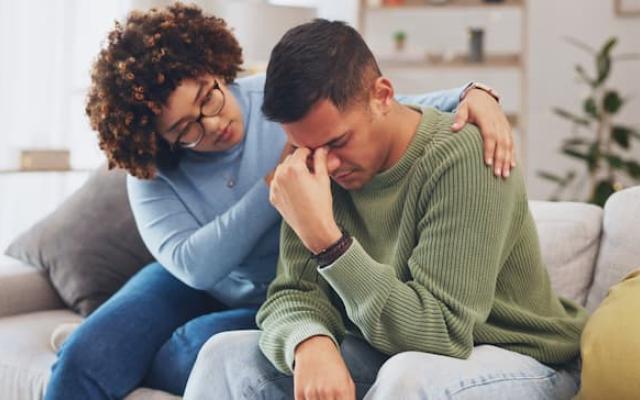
342, 175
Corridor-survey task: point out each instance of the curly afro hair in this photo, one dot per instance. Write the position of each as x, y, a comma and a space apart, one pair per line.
143, 62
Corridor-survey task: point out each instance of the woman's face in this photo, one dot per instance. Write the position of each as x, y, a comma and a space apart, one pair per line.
201, 115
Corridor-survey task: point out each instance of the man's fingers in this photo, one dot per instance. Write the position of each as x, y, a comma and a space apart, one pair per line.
461, 117
300, 154
320, 161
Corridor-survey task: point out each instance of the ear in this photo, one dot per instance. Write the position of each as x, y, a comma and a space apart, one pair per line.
382, 95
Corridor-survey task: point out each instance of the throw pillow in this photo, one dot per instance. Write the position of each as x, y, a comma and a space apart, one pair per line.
89, 245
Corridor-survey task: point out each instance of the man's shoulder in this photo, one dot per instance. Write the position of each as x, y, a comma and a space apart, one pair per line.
444, 144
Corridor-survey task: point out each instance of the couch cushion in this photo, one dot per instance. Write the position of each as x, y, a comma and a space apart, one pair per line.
89, 245
25, 354
620, 248
25, 289
569, 238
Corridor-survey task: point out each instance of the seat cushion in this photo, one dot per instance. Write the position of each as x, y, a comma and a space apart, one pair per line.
620, 248
25, 354
569, 238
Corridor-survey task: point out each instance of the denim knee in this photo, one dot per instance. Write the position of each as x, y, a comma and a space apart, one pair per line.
489, 373
231, 366
76, 372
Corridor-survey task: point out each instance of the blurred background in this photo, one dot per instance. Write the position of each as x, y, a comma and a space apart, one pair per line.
568, 72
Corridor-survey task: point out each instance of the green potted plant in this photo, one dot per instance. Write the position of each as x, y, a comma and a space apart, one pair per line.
399, 38
598, 141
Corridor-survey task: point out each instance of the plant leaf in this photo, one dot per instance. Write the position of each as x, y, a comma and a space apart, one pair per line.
612, 102
634, 169
620, 135
603, 190
603, 61
584, 76
590, 107
609, 44
581, 45
575, 142
615, 161
570, 116
551, 177
575, 154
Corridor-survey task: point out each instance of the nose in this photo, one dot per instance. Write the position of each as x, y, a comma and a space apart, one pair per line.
211, 125
333, 162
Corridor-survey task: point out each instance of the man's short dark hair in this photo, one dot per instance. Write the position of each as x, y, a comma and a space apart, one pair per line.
316, 61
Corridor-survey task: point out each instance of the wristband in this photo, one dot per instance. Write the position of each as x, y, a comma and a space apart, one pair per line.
332, 253
481, 86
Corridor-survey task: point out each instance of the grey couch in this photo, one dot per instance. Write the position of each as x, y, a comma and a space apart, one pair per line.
587, 249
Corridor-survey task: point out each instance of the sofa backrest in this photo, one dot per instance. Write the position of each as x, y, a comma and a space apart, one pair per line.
569, 239
620, 243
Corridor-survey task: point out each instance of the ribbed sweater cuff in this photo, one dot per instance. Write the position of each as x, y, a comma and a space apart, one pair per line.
357, 278
304, 331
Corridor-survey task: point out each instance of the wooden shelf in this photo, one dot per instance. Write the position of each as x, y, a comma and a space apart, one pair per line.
449, 4
23, 171
459, 61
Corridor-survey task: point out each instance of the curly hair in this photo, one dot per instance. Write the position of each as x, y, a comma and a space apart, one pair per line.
143, 62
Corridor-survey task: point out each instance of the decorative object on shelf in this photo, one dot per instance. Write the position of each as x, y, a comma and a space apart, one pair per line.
44, 160
438, 1
476, 45
393, 2
601, 149
399, 38
627, 8
493, 1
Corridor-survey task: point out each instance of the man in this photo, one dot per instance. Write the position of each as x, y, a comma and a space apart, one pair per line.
415, 274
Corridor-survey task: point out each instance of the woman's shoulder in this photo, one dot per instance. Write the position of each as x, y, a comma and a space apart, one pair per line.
251, 84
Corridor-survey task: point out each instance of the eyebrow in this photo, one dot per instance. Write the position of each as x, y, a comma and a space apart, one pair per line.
195, 100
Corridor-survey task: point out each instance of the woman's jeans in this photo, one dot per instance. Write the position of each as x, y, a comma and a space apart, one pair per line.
148, 334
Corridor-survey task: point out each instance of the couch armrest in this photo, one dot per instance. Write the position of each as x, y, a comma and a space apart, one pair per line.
25, 289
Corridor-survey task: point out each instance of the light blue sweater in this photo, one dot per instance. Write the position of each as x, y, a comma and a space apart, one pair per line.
209, 221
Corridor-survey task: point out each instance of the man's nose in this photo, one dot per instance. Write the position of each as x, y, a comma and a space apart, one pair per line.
333, 162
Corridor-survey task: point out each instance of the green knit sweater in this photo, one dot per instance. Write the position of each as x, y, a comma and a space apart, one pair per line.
445, 257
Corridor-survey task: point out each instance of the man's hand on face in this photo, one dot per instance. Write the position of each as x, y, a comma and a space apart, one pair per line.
304, 199
320, 372
288, 149
482, 109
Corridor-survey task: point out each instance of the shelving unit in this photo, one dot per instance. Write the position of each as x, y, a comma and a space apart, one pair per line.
446, 62
450, 3
458, 61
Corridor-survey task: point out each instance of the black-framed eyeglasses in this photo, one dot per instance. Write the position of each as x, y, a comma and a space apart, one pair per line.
210, 107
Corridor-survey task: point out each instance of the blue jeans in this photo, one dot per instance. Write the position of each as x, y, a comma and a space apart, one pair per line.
149, 333
231, 366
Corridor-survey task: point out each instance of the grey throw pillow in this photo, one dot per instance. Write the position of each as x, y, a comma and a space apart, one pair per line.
90, 245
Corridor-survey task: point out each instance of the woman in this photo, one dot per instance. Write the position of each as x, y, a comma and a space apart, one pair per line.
168, 108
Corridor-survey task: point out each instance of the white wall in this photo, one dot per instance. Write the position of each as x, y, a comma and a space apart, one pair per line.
551, 78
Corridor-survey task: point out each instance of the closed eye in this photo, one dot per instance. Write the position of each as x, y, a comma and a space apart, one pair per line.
340, 142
